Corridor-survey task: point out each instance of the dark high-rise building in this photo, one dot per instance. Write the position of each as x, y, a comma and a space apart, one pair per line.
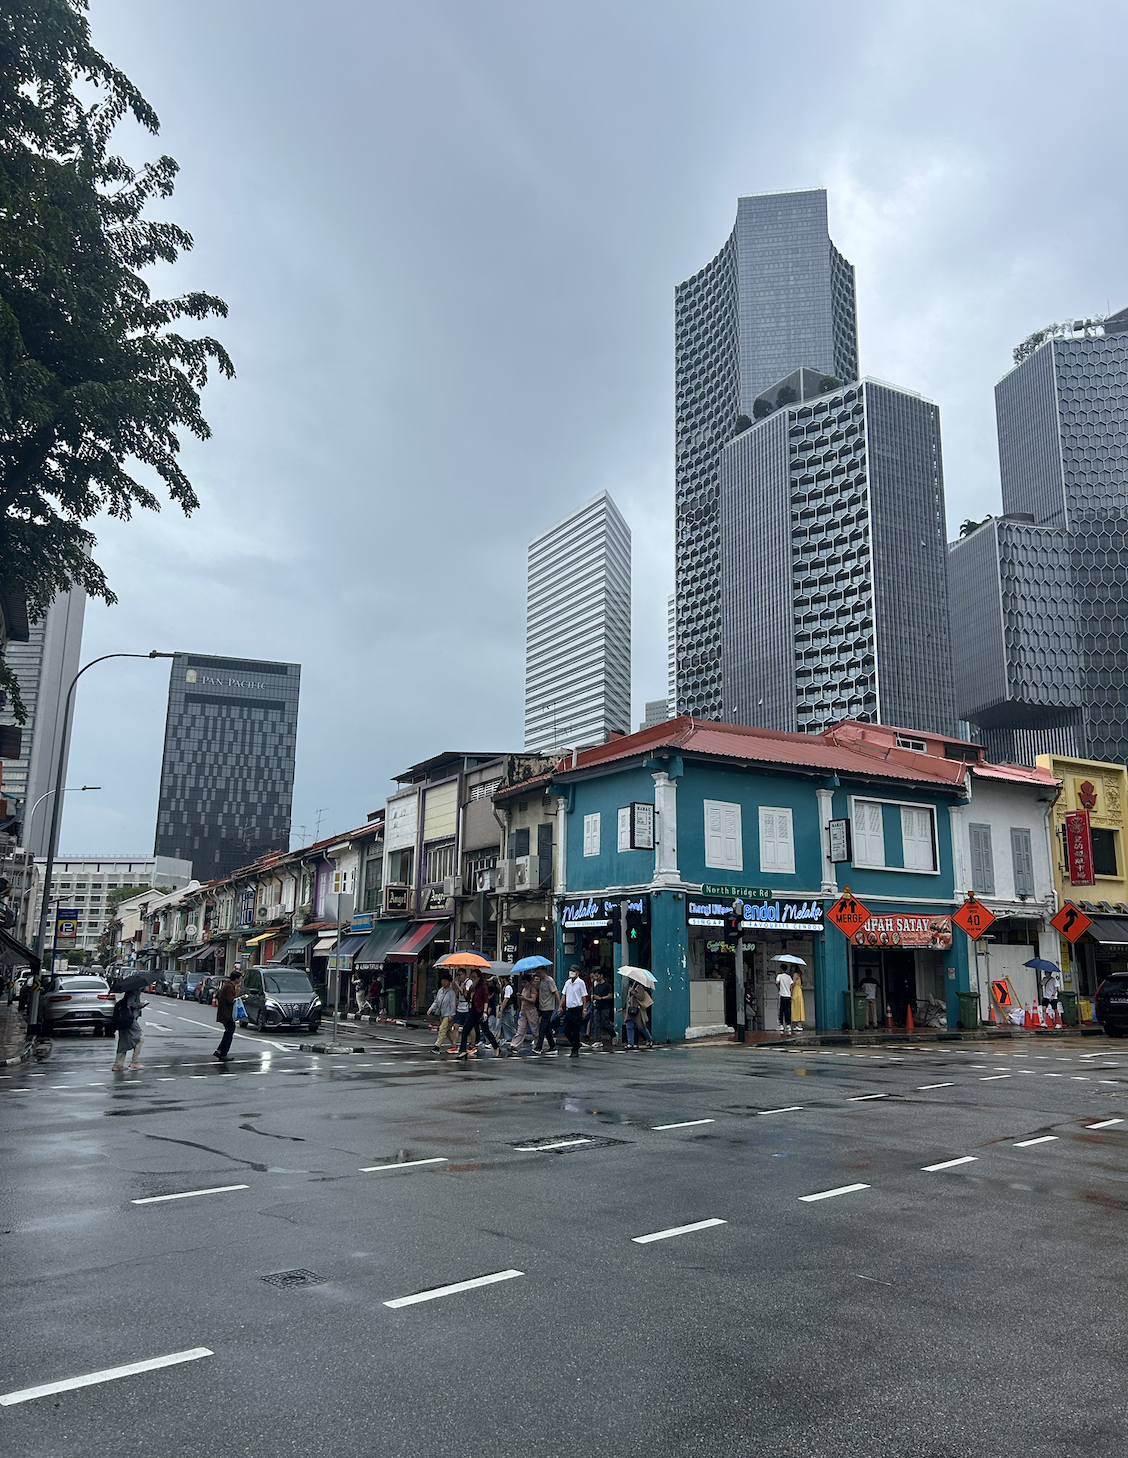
834, 592
778, 297
1063, 455
227, 777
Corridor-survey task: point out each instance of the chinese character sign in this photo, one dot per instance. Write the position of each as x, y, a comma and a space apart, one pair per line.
1079, 848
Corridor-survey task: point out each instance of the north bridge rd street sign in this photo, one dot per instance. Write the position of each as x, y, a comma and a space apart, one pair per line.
848, 914
974, 918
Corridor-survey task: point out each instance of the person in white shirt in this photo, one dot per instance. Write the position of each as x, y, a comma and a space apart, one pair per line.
784, 982
1050, 990
573, 1001
869, 987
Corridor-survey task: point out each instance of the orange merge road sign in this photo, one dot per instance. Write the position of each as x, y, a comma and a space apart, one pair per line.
1071, 921
848, 914
974, 918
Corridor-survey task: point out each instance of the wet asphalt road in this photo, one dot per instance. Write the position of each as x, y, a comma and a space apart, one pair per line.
975, 1309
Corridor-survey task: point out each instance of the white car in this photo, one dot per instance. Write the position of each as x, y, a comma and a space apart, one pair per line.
78, 1000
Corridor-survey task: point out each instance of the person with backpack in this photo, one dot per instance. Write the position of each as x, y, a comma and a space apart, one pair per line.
225, 1013
634, 1020
126, 1022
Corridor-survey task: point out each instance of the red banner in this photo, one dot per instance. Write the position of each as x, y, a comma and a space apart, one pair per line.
1079, 848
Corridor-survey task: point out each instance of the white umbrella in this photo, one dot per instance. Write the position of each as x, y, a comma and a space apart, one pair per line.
787, 957
639, 974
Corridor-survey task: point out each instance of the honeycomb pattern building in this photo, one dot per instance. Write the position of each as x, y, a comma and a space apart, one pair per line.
1063, 456
833, 579
777, 297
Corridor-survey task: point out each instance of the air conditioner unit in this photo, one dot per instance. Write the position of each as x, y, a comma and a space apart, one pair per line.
526, 873
452, 886
506, 872
486, 880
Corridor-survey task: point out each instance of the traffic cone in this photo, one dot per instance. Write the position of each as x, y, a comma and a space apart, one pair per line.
888, 1016
909, 1024
992, 1019
1027, 1018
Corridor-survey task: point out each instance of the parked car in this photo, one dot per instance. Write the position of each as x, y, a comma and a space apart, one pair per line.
1112, 1005
280, 997
79, 1001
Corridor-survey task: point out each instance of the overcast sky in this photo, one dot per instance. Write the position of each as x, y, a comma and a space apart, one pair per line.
449, 233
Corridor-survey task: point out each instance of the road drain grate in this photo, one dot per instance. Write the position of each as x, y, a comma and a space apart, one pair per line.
286, 1279
563, 1143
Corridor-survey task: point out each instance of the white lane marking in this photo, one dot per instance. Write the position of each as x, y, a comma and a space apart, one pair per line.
1104, 1124
1108, 1080
437, 1291
167, 1079
923, 1086
686, 1124
65, 1085
1053, 1075
950, 1163
830, 1194
110, 1374
1042, 1139
865, 1098
676, 1230
560, 1144
188, 1194
790, 1109
994, 1077
403, 1164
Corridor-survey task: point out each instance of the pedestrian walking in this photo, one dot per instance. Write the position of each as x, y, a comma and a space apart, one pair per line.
375, 988
574, 1000
548, 1000
528, 1017
869, 987
126, 1022
462, 1008
785, 982
444, 1008
603, 1011
478, 994
798, 1010
1050, 991
225, 1014
504, 1024
634, 1021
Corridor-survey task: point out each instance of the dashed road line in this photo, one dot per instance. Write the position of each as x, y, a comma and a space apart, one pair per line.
865, 1098
830, 1194
924, 1086
1104, 1124
402, 1164
994, 1077
560, 1144
949, 1163
108, 1374
675, 1230
685, 1124
436, 1291
790, 1109
1042, 1139
188, 1194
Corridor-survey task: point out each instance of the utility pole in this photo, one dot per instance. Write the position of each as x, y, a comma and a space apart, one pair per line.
741, 1016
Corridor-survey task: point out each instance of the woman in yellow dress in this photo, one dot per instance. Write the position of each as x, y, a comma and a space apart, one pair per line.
797, 1010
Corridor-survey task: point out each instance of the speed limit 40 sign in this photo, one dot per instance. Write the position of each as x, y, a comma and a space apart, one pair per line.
974, 918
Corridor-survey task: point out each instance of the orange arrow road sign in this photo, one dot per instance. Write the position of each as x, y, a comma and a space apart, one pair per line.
848, 914
1071, 921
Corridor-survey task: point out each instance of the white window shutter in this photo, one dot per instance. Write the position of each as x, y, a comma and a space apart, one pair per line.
724, 850
916, 839
591, 834
777, 847
625, 828
869, 834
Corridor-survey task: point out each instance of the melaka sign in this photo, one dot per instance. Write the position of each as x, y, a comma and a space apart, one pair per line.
1079, 848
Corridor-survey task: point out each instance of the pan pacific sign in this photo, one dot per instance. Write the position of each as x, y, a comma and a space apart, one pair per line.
767, 915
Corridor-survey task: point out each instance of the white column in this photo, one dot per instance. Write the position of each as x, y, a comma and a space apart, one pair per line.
561, 846
666, 829
826, 813
959, 872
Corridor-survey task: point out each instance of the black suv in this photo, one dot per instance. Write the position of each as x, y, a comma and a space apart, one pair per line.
280, 997
1112, 1005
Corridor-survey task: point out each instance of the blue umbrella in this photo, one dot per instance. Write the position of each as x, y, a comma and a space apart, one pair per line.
1041, 965
530, 964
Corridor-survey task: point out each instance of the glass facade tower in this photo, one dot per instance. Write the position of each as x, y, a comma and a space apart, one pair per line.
777, 297
227, 776
834, 593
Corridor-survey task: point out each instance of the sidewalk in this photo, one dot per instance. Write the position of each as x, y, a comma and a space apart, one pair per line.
839, 1039
14, 1047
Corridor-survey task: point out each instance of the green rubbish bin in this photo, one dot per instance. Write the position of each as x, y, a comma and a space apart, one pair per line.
969, 1009
1068, 1008
394, 995
859, 1009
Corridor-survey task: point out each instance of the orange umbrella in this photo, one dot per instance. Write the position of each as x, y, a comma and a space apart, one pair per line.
462, 959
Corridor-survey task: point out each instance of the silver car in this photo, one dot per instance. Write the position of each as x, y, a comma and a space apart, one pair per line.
79, 1001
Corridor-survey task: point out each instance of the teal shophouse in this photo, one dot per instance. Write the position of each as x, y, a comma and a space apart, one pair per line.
685, 821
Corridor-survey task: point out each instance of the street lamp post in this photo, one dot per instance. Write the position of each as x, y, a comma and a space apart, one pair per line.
69, 790
53, 835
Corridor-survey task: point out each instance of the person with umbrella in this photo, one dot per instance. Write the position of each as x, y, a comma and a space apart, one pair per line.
791, 994
637, 1004
478, 995
126, 1022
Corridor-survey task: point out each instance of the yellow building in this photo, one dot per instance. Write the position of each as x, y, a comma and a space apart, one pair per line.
1102, 790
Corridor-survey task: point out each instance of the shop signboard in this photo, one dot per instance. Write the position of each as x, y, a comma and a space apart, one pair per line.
904, 929
1079, 848
361, 924
840, 849
642, 825
593, 913
1071, 922
767, 914
397, 900
339, 960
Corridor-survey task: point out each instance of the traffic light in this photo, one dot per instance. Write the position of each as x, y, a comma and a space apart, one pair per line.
733, 921
615, 926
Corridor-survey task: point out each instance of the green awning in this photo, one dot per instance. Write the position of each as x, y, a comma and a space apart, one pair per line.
297, 943
380, 943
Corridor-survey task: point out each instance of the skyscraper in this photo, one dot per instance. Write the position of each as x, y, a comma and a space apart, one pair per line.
227, 776
45, 666
1062, 417
777, 297
578, 629
833, 576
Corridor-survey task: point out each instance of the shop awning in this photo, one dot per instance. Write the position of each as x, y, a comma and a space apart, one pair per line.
298, 943
324, 945
197, 952
353, 943
384, 937
420, 935
1109, 931
273, 931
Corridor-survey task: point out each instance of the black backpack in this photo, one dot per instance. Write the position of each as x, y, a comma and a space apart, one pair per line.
122, 1018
